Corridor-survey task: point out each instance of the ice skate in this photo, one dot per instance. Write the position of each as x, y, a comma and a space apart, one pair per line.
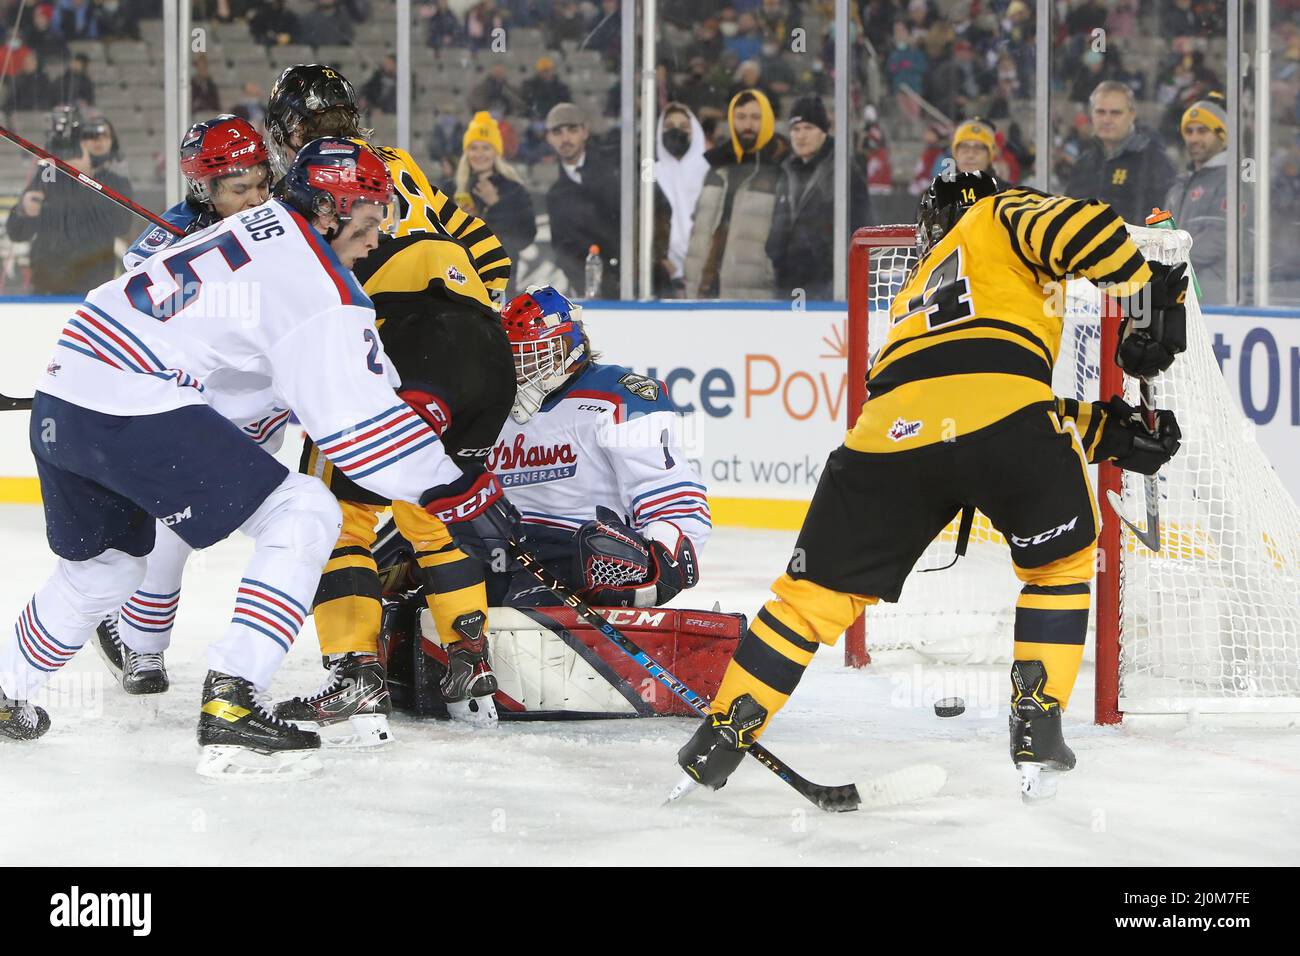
241, 737
22, 720
469, 683
351, 707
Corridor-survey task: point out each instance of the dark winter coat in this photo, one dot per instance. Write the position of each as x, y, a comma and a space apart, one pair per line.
583, 214
512, 219
1132, 181
72, 239
801, 244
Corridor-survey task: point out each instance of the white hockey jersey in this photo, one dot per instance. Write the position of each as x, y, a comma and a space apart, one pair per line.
610, 438
251, 314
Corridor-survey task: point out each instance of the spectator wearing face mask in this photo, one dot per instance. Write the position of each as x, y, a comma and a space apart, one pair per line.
680, 168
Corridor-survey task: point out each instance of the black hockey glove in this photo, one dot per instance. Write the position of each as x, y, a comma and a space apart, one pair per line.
618, 567
1154, 327
1126, 441
718, 745
480, 518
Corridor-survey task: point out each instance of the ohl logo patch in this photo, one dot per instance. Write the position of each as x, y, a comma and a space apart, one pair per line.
902, 430
455, 275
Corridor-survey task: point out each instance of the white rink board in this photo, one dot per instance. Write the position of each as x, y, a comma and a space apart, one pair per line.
764, 388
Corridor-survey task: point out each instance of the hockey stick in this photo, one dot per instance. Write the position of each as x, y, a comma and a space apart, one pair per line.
1149, 536
838, 798
901, 786
8, 404
89, 182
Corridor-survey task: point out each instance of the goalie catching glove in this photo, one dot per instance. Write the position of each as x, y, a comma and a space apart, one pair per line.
481, 521
617, 566
1154, 327
1114, 431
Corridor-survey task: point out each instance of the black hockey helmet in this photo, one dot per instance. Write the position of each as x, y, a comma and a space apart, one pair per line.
331, 175
950, 194
312, 98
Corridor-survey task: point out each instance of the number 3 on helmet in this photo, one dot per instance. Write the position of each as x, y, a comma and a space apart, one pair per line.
548, 342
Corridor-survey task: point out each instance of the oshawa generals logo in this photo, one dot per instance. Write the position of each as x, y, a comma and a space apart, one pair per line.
523, 464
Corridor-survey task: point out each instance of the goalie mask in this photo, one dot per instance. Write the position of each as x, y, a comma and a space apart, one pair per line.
548, 343
946, 201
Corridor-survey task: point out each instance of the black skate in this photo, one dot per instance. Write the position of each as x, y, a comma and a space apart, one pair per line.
350, 709
239, 736
109, 645
20, 720
469, 683
1038, 747
144, 673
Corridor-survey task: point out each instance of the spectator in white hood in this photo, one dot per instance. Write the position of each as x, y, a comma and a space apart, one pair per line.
680, 168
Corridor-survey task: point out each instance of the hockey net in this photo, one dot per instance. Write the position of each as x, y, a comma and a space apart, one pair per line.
1210, 624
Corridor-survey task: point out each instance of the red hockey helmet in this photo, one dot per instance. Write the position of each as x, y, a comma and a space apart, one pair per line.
332, 175
548, 343
223, 146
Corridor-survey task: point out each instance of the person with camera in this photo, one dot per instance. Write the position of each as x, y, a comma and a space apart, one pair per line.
71, 230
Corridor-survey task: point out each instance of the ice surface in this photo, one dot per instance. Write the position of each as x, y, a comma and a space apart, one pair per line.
113, 782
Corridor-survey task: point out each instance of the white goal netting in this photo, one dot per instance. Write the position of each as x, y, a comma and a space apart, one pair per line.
1212, 622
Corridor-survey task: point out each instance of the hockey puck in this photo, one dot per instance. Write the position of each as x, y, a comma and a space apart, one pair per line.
950, 707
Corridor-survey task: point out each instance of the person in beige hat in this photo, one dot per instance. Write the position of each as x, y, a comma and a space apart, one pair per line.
487, 186
583, 202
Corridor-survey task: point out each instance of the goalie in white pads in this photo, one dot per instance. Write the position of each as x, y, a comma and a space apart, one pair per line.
591, 458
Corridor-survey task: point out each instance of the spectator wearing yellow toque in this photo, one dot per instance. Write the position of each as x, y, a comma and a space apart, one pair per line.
1198, 198
487, 186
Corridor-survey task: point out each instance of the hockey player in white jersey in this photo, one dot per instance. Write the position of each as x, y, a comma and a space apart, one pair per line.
591, 458
124, 433
227, 170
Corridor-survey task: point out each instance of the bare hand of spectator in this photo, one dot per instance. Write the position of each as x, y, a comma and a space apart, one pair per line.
486, 191
31, 203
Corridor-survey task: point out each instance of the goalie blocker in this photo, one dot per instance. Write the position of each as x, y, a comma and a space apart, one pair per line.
553, 666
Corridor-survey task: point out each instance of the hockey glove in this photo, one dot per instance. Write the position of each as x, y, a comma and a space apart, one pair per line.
718, 745
1126, 440
620, 567
1154, 327
481, 521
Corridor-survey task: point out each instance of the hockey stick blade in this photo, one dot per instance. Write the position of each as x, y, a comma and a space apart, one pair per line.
917, 782
839, 798
8, 404
1149, 536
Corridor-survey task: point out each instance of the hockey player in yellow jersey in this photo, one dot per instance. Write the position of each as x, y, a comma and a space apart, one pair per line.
960, 416
435, 282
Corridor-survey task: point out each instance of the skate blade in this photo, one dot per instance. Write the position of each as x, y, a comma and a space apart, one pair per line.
475, 711
917, 782
228, 762
112, 665
360, 732
685, 787
1038, 783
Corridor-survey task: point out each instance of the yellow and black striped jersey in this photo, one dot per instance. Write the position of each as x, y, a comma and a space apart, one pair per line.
421, 207
421, 270
976, 328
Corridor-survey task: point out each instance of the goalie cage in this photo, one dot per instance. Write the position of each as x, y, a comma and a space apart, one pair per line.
1209, 625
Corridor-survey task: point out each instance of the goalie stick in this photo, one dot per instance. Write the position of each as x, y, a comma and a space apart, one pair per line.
88, 181
910, 783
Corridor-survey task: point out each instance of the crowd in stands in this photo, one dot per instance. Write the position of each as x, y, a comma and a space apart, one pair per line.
744, 149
